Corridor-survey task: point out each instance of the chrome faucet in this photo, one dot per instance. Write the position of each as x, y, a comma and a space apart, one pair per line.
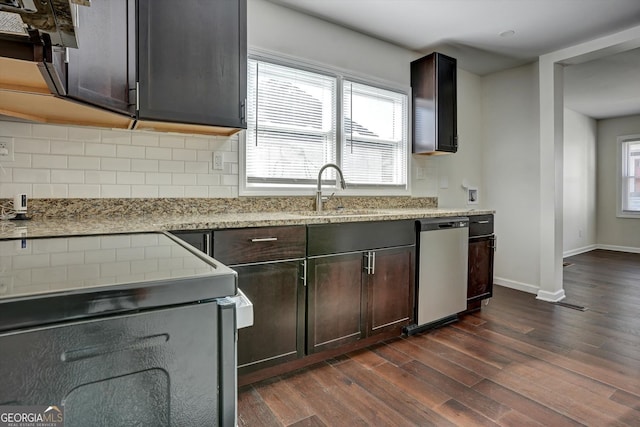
343, 184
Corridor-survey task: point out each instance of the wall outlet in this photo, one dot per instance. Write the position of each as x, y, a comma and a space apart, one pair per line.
6, 149
217, 161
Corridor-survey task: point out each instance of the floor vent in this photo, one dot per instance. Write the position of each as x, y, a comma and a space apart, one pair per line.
571, 306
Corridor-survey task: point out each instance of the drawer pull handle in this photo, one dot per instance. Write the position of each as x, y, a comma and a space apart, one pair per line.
486, 221
264, 239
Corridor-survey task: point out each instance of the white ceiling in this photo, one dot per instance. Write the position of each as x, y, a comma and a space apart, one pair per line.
470, 31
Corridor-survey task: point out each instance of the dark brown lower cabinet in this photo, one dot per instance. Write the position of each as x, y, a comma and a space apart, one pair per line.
334, 295
480, 278
390, 289
278, 309
357, 295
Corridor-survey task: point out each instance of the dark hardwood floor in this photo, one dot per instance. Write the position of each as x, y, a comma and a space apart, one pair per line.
519, 362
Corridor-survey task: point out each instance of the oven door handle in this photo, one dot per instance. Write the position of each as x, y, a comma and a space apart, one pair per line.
227, 362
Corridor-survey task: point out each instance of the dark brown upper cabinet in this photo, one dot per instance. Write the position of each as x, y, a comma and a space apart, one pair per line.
162, 61
434, 91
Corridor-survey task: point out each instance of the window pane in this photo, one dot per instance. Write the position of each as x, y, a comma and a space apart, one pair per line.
631, 176
291, 124
374, 147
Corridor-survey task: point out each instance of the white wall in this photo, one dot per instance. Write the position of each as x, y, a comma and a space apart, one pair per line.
278, 29
512, 173
613, 232
579, 188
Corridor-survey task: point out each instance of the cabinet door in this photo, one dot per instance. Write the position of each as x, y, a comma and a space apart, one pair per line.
99, 71
480, 279
192, 61
390, 289
278, 309
446, 104
334, 295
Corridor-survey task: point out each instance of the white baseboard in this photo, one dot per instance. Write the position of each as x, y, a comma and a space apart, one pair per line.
578, 251
551, 296
630, 249
519, 286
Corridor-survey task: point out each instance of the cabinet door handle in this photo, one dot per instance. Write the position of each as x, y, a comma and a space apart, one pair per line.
264, 239
207, 244
373, 263
303, 265
495, 243
367, 267
486, 221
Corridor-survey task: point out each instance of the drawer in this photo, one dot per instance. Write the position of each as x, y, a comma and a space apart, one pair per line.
337, 238
249, 245
480, 225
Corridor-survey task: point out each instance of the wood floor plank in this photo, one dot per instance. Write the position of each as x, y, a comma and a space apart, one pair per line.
461, 374
524, 405
627, 399
463, 394
287, 404
312, 421
323, 403
427, 394
373, 410
253, 411
461, 415
396, 399
391, 354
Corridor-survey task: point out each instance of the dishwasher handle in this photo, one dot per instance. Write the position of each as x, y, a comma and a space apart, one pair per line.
432, 224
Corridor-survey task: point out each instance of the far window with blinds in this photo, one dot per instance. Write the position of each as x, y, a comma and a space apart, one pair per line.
629, 203
300, 119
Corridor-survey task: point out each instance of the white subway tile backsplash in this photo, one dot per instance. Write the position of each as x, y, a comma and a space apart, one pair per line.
130, 151
202, 179
48, 191
20, 160
157, 178
171, 191
86, 163
183, 179
145, 139
109, 164
67, 147
84, 191
96, 255
31, 175
99, 177
15, 129
196, 191
100, 149
144, 191
84, 134
171, 166
50, 132
197, 167
130, 177
171, 141
115, 137
67, 176
115, 191
76, 162
158, 153
8, 190
29, 145
47, 161
143, 165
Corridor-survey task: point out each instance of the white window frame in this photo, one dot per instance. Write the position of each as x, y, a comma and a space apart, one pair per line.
340, 74
622, 179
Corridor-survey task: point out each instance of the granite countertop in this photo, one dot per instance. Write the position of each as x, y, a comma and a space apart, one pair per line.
129, 224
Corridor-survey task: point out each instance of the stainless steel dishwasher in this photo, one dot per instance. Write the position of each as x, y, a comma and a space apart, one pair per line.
443, 245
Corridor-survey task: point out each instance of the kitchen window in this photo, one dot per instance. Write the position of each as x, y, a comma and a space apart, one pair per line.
300, 118
629, 176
